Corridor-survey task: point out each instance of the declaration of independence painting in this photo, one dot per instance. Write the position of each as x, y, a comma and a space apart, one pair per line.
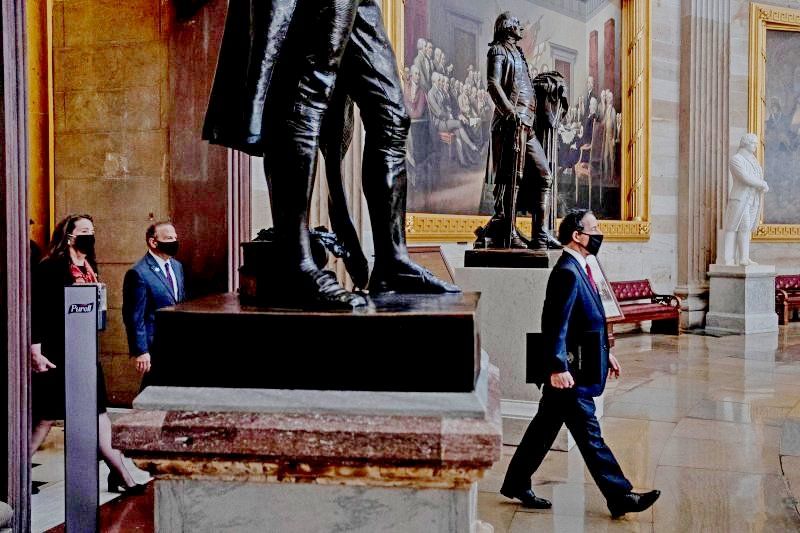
782, 128
444, 54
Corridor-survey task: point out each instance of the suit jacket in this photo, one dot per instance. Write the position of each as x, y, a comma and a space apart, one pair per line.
144, 291
574, 336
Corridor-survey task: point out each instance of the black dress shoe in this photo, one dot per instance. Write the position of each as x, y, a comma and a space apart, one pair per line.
633, 502
117, 484
408, 277
528, 499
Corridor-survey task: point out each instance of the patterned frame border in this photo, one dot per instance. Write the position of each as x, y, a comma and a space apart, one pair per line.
635, 226
762, 18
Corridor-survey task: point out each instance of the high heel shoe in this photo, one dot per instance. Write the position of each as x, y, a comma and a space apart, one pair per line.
117, 484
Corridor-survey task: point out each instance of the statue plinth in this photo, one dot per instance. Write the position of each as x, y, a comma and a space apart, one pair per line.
398, 343
298, 460
510, 258
741, 299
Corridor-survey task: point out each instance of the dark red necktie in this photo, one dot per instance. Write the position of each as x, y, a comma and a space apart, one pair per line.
591, 279
172, 285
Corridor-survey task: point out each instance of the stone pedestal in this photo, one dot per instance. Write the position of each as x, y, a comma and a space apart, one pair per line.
309, 461
511, 307
741, 299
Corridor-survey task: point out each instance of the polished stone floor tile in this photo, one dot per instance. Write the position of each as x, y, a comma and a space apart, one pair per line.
496, 510
747, 434
718, 455
646, 395
707, 500
739, 412
544, 523
664, 413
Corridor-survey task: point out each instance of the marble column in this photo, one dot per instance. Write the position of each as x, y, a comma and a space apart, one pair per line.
704, 145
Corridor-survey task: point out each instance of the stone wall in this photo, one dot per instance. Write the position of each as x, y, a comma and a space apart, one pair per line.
111, 145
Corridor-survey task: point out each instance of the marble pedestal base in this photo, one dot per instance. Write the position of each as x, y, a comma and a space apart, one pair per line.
311, 461
790, 435
741, 299
187, 505
511, 307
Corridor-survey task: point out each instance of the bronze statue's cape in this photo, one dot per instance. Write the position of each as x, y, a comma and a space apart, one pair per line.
254, 50
244, 100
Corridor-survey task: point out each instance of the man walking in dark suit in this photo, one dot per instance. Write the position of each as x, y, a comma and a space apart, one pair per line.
574, 363
154, 282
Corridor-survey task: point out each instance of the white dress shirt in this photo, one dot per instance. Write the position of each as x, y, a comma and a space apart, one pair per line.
578, 257
163, 266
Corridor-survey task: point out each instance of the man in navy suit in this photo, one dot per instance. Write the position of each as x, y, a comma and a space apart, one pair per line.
574, 363
154, 282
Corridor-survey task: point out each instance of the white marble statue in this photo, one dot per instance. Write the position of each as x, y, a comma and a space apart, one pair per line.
744, 203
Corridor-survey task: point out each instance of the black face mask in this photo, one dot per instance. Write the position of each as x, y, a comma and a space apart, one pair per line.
168, 247
593, 246
83, 243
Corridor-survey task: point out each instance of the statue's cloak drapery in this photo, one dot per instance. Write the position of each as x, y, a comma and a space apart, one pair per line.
254, 41
744, 197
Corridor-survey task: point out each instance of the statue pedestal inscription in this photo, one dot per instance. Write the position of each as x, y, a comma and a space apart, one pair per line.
515, 297
307, 461
741, 299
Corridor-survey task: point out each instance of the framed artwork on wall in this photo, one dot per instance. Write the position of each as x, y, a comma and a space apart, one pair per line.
774, 115
601, 47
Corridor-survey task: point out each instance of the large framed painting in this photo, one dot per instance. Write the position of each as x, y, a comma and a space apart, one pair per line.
601, 48
774, 115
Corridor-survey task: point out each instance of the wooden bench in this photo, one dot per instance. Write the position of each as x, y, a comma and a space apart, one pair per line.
787, 296
638, 303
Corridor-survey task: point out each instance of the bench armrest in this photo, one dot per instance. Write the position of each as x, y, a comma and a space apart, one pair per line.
666, 299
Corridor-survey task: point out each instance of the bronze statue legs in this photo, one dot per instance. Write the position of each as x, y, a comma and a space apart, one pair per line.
348, 43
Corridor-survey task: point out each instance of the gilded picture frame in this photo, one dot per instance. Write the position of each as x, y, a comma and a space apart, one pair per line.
635, 66
764, 18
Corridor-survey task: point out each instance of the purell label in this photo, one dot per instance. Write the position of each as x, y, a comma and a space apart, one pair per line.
81, 308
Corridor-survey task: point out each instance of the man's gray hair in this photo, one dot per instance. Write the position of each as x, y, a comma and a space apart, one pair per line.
421, 43
748, 138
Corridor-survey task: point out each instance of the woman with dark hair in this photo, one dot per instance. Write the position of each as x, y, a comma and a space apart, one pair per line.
70, 259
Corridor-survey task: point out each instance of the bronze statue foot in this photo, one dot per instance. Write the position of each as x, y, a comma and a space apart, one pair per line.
356, 265
517, 242
405, 276
544, 243
317, 289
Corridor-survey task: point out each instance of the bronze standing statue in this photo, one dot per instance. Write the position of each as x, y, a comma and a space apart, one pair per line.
286, 72
526, 111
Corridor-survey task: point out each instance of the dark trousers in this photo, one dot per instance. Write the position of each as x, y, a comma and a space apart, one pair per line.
345, 48
568, 407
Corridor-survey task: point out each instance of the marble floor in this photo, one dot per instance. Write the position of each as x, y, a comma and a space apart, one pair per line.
697, 417
47, 507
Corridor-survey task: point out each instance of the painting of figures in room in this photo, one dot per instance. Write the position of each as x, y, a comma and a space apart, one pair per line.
444, 57
782, 128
